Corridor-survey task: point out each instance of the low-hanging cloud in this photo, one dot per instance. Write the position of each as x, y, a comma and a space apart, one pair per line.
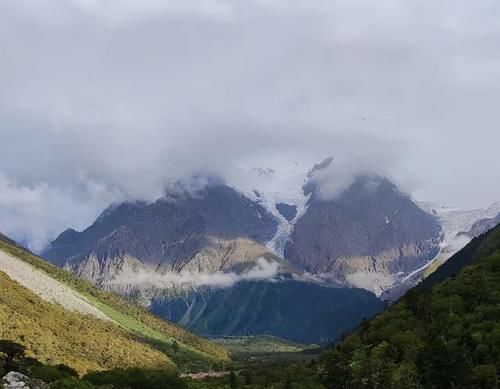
34, 214
109, 100
263, 270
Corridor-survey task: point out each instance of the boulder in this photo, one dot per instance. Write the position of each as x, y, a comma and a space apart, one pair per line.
15, 380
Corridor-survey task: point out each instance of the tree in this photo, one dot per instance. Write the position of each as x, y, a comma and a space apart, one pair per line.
12, 350
233, 382
248, 375
175, 346
485, 376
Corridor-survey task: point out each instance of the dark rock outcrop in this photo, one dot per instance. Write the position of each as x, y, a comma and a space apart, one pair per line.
287, 211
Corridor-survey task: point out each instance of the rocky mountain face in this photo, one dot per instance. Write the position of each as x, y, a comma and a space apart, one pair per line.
170, 234
369, 236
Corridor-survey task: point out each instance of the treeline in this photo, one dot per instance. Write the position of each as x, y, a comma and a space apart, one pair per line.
444, 337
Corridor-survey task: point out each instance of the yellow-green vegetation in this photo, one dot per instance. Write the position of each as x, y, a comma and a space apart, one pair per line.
55, 335
261, 344
187, 350
434, 266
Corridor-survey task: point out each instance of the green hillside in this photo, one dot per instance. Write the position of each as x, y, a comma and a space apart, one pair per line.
445, 334
54, 335
260, 344
185, 350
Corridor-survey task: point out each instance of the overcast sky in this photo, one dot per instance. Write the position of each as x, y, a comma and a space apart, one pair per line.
108, 100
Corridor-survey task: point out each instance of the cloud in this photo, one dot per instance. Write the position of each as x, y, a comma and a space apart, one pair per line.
335, 175
35, 214
262, 271
129, 96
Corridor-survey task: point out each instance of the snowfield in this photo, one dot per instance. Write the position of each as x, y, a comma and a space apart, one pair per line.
456, 223
274, 186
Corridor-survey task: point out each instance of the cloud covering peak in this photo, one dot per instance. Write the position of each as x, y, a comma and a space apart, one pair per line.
103, 101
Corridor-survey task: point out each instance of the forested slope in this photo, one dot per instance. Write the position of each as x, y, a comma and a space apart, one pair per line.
441, 336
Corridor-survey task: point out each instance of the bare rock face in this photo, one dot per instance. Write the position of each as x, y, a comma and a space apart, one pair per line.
367, 237
130, 277
168, 233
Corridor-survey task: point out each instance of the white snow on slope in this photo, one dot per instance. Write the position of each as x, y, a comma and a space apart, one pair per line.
456, 223
271, 186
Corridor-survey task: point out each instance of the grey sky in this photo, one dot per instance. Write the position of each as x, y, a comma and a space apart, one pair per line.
107, 100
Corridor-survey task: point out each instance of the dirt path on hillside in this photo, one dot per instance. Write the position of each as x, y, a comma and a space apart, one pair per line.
46, 287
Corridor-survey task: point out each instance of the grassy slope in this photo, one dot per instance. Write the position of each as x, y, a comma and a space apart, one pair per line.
260, 344
444, 334
193, 352
55, 335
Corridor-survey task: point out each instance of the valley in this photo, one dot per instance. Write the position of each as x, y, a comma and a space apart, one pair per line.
249, 194
271, 283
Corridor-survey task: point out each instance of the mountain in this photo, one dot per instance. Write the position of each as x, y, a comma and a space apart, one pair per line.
169, 232
444, 334
304, 312
62, 319
207, 243
187, 253
290, 194
369, 236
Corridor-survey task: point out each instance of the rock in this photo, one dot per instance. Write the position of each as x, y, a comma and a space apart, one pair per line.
15, 380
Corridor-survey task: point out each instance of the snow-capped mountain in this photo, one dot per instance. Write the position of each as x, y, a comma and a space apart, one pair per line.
283, 193
275, 225
280, 192
193, 258
307, 238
